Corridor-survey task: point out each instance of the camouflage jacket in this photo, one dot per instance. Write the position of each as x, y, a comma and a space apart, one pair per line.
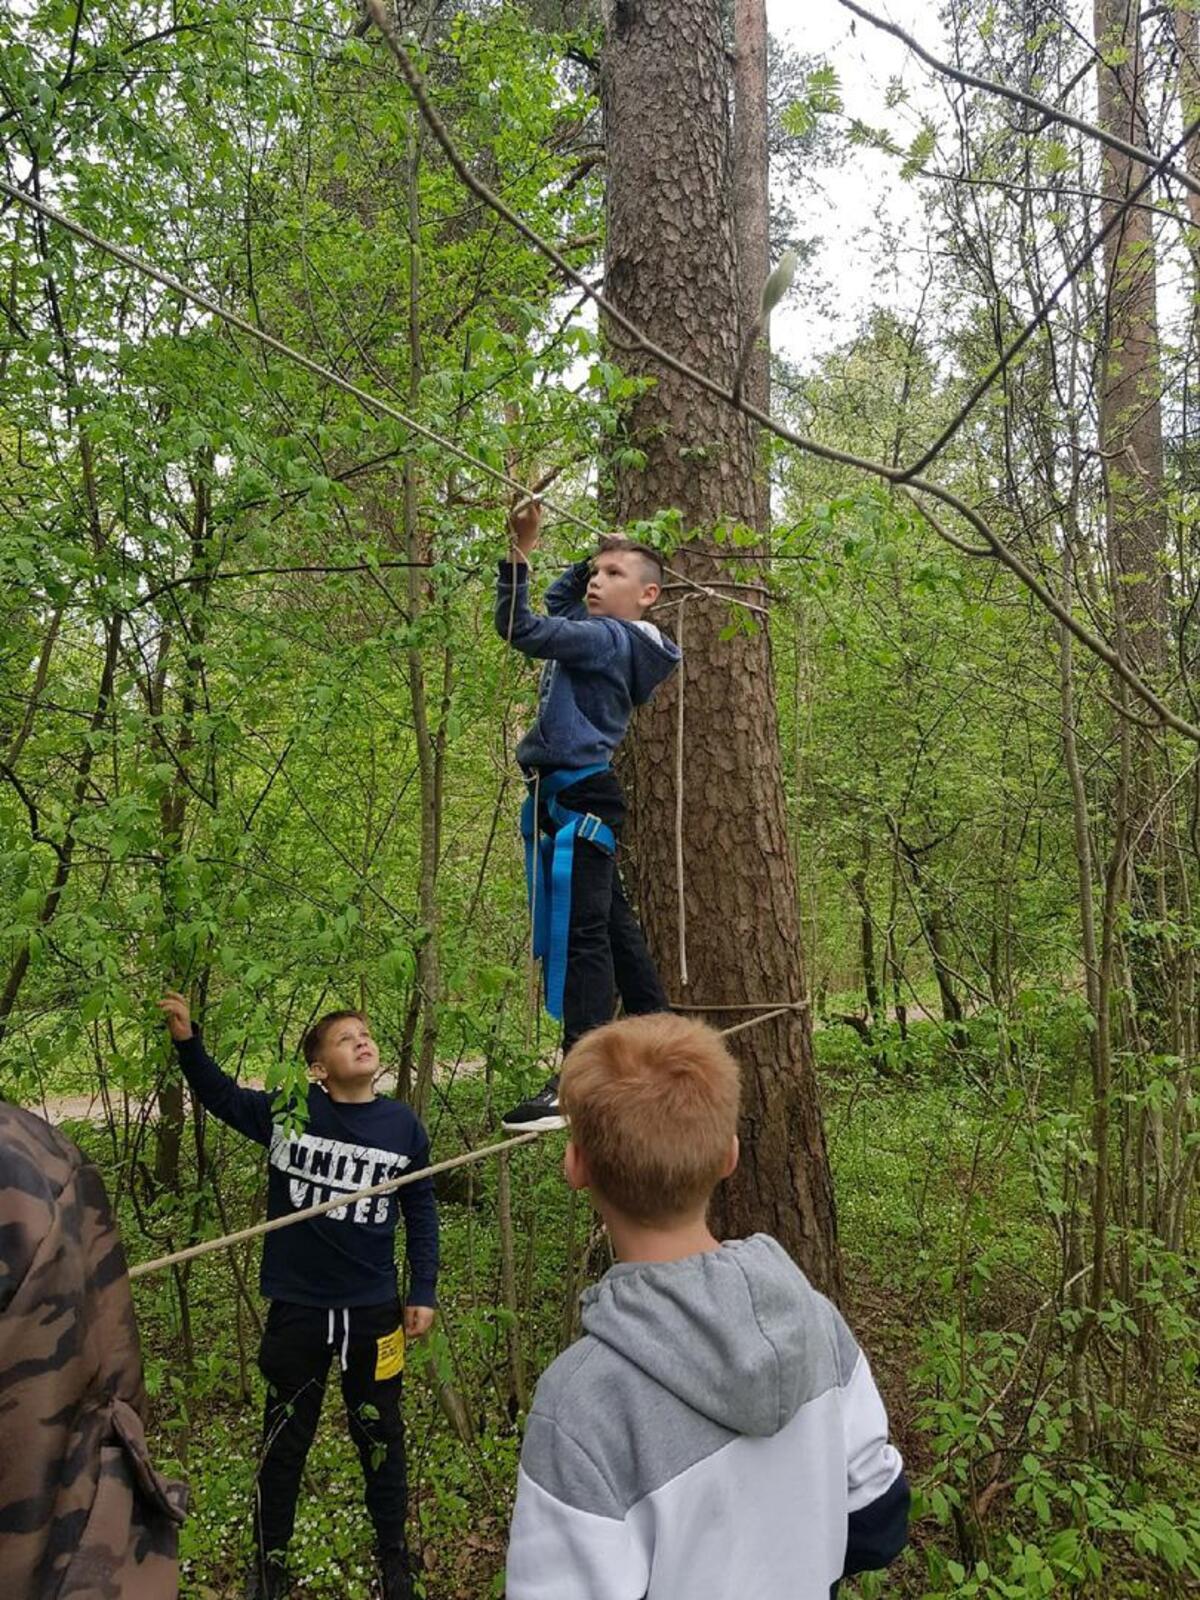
83, 1513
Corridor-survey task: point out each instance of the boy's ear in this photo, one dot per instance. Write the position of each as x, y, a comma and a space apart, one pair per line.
575, 1167
731, 1159
316, 1071
653, 590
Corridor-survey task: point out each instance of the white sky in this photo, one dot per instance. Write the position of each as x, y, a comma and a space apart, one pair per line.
853, 269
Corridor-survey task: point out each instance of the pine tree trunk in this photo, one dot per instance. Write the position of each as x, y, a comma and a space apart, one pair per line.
752, 211
671, 267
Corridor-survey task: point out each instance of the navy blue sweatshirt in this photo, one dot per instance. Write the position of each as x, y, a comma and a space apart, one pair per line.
597, 668
340, 1259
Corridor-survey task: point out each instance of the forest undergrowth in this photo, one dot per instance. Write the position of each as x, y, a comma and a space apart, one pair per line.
953, 1271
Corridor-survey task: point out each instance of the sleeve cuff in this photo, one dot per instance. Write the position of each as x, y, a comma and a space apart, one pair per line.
507, 568
422, 1293
189, 1049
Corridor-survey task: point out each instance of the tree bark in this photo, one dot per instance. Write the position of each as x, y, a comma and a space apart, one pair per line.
671, 267
752, 213
1130, 384
866, 933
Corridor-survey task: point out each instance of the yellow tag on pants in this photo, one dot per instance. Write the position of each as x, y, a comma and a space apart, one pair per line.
389, 1355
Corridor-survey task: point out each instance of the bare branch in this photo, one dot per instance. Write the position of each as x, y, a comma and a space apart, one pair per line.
1009, 355
1007, 92
1091, 641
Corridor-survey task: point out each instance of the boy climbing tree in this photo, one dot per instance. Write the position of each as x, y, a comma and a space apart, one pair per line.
331, 1280
602, 659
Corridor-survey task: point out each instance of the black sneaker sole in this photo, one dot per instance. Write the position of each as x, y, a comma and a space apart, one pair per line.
544, 1124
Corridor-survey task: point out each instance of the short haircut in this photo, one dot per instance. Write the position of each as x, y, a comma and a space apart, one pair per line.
315, 1037
651, 560
652, 1104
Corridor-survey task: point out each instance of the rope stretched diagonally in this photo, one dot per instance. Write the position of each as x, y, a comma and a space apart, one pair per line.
389, 1186
306, 1215
372, 402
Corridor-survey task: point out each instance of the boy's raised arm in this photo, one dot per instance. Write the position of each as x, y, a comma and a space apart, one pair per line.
583, 642
250, 1111
566, 593
577, 641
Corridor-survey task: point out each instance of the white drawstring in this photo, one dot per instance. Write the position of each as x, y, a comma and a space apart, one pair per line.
331, 1334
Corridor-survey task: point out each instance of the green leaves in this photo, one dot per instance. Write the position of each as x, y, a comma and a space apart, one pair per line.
919, 151
821, 97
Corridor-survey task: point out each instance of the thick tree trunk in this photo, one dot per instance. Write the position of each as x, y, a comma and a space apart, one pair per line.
1187, 39
752, 211
671, 267
1128, 1181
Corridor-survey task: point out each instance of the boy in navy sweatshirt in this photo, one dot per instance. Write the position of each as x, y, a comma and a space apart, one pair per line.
716, 1431
332, 1280
602, 659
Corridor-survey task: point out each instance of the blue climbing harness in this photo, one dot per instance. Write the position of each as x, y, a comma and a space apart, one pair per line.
548, 862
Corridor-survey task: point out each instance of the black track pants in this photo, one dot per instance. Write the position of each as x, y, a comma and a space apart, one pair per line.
606, 949
298, 1344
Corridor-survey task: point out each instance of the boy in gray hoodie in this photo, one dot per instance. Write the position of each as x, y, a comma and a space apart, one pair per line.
716, 1432
602, 659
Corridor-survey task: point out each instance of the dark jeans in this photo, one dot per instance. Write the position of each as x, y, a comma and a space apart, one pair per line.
606, 949
294, 1357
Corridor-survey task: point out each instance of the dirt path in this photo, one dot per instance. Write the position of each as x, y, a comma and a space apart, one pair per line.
58, 1108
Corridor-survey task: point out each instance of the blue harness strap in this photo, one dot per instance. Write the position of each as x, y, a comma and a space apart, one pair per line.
548, 863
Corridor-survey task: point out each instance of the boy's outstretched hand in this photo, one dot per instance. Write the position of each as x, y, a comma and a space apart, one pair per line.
417, 1321
525, 527
179, 1019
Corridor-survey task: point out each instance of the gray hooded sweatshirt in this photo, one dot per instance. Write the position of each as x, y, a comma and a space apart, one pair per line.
715, 1435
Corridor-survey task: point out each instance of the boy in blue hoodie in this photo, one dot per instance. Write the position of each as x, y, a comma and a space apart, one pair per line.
331, 1280
716, 1431
602, 659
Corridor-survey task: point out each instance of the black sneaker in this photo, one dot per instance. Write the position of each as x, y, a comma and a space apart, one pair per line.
396, 1574
268, 1580
537, 1113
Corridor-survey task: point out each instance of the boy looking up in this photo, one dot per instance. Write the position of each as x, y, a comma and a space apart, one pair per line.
716, 1432
331, 1280
602, 659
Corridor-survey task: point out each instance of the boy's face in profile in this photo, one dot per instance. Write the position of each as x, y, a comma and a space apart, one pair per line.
618, 586
348, 1059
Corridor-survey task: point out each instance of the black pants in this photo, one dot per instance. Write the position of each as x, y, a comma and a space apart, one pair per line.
606, 949
298, 1344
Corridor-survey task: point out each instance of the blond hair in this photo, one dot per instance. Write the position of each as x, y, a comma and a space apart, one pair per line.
653, 1107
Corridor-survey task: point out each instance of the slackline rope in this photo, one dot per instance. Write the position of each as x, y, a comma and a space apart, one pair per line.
207, 1246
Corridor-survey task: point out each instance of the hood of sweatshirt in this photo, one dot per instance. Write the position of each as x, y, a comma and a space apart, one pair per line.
653, 658
734, 1333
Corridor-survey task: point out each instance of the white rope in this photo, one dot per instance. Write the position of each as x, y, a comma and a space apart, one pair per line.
391, 1184
388, 1187
364, 396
